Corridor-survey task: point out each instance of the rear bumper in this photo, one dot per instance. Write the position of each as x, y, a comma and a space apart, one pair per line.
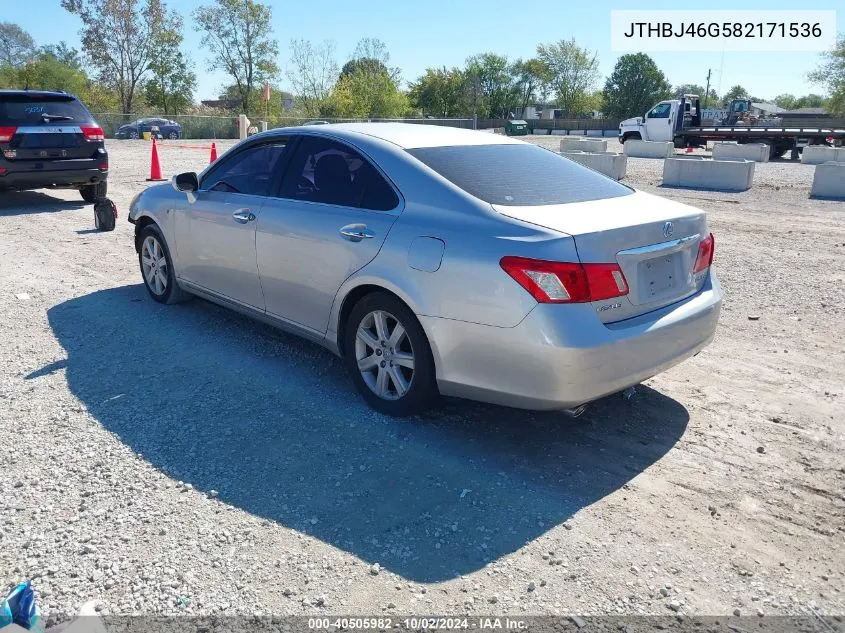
563, 356
46, 178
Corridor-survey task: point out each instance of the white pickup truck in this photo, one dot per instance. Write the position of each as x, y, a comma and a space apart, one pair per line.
663, 122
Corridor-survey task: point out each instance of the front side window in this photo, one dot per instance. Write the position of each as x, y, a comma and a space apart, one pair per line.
660, 111
329, 172
250, 171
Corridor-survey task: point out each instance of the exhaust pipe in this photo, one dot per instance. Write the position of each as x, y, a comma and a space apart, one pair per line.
575, 411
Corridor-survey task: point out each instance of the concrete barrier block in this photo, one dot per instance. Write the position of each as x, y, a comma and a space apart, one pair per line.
611, 132
818, 154
840, 155
648, 149
558, 132
595, 132
758, 152
700, 173
591, 145
829, 180
610, 164
540, 131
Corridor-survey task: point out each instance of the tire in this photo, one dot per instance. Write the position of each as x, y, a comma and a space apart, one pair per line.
173, 136
92, 193
636, 136
404, 389
134, 135
153, 256
104, 216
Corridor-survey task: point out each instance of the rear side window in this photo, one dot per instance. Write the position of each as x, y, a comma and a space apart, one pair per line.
518, 175
25, 110
328, 172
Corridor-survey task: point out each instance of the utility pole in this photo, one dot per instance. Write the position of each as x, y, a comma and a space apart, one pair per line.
707, 89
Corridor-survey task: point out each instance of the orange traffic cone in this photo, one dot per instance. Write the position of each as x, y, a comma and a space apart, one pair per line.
213, 153
155, 168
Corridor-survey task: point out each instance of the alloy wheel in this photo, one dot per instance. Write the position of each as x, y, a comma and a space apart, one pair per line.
154, 265
384, 354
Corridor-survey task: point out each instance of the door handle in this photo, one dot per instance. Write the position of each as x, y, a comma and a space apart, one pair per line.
242, 216
356, 232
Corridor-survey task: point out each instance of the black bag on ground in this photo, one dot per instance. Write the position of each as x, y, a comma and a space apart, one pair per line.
105, 214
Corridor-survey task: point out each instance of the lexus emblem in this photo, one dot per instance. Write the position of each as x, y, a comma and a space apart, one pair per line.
668, 229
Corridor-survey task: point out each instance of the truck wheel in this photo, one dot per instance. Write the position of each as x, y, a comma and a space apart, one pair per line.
636, 136
92, 193
795, 154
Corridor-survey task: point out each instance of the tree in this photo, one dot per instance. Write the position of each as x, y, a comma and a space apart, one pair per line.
440, 92
367, 87
573, 72
45, 72
594, 103
239, 35
67, 55
831, 74
48, 72
811, 100
498, 88
16, 45
736, 92
173, 80
313, 73
786, 101
118, 37
366, 94
371, 53
635, 85
532, 78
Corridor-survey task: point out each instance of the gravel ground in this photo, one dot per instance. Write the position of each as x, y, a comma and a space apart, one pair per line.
182, 459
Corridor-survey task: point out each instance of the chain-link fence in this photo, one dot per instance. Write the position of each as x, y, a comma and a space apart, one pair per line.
226, 127
189, 125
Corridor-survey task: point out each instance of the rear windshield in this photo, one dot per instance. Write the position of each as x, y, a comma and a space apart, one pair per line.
26, 109
518, 175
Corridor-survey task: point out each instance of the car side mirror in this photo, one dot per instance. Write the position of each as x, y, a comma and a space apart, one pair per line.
187, 183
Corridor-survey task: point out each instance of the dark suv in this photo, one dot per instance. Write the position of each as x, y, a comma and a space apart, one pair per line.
49, 139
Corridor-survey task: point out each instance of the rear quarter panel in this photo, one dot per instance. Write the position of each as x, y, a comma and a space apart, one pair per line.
469, 284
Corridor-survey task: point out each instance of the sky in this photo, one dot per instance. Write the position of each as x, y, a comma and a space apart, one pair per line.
435, 33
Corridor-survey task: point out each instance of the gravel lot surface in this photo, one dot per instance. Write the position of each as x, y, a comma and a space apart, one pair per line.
182, 459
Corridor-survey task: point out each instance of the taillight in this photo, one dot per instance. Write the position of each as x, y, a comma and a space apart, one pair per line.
705, 254
104, 167
566, 282
6, 134
93, 133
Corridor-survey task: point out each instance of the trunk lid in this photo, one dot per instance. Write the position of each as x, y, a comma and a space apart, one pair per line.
653, 240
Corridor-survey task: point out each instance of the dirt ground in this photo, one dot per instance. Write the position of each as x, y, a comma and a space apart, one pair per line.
182, 459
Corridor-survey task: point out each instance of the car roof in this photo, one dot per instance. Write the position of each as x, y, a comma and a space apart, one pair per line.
35, 93
410, 135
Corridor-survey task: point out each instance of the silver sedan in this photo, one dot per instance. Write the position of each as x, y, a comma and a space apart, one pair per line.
436, 260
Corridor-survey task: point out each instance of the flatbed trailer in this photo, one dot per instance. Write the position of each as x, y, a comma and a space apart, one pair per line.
781, 139
679, 120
